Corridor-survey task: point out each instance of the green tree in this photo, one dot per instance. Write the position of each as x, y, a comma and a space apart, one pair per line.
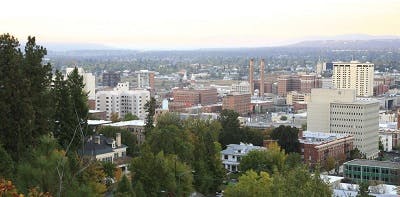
363, 190
17, 117
355, 154
130, 116
150, 108
171, 140
171, 175
230, 133
330, 164
251, 184
283, 118
380, 145
6, 164
287, 137
139, 189
64, 127
270, 160
124, 188
114, 117
293, 160
209, 172
109, 169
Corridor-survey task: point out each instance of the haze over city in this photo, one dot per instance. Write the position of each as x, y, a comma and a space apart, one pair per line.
179, 24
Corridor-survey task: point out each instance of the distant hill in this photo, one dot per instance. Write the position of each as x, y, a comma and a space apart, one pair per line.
349, 44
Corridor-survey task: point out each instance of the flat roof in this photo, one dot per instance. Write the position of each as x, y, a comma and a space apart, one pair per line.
127, 123
372, 163
357, 102
98, 122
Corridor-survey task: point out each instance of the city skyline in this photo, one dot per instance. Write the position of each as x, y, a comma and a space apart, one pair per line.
191, 24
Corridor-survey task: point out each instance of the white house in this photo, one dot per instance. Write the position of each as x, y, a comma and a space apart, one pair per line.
233, 153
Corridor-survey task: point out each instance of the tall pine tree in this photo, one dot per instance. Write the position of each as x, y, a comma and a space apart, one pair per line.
23, 91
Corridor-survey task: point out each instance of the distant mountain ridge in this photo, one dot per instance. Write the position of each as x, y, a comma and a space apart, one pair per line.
349, 44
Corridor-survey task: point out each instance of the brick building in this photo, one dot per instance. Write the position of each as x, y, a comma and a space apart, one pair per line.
317, 147
307, 82
237, 102
192, 97
287, 83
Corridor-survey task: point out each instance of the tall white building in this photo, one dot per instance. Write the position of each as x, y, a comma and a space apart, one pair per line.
359, 119
354, 75
338, 111
122, 101
318, 107
88, 79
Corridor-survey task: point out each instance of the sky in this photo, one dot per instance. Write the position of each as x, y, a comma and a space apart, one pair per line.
177, 24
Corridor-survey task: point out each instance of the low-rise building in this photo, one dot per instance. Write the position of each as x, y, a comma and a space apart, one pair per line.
241, 103
233, 153
106, 150
360, 170
317, 147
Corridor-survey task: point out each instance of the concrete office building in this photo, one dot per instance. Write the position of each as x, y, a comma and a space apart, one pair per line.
338, 111
360, 119
354, 75
318, 109
122, 101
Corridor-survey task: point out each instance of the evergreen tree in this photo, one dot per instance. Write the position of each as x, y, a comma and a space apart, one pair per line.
6, 164
19, 126
124, 188
150, 108
63, 116
287, 137
139, 191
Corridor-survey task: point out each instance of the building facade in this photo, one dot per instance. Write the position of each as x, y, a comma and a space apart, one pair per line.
136, 127
241, 103
354, 75
317, 147
145, 79
122, 101
111, 79
318, 109
360, 119
360, 170
233, 154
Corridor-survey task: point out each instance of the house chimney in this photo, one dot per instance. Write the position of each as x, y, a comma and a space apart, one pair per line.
97, 139
118, 139
262, 65
251, 79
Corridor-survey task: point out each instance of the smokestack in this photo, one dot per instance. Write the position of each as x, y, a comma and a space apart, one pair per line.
251, 79
118, 139
262, 65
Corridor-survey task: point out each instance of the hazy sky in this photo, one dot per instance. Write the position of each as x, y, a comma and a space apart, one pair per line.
200, 23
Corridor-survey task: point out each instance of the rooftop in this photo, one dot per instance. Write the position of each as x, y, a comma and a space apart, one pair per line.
127, 123
105, 146
98, 122
240, 149
365, 162
320, 137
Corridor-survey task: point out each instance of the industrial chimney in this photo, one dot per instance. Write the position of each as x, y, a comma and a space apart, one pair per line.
262, 65
118, 139
251, 79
